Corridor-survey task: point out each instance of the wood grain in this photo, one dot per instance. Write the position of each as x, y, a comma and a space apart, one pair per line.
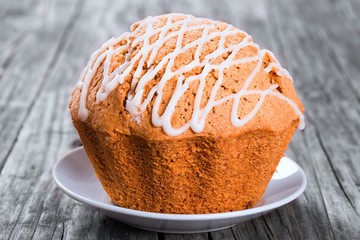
45, 44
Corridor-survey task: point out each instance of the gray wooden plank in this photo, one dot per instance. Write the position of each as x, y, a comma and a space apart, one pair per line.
332, 115
14, 31
11, 43
312, 219
224, 234
22, 80
28, 176
342, 48
194, 236
348, 11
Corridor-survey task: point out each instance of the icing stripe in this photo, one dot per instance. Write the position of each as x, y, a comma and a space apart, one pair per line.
146, 56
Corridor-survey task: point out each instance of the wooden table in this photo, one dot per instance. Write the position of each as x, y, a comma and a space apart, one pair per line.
44, 45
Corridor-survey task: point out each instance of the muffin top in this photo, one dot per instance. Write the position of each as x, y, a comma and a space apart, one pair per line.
176, 75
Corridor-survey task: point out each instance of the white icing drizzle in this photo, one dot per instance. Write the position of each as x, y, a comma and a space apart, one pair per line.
146, 56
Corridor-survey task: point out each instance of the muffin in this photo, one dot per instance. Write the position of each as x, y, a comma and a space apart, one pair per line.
185, 115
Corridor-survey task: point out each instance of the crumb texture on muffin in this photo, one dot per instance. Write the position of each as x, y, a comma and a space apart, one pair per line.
185, 115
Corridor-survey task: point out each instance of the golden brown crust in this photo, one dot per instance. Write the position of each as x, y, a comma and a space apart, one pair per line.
223, 168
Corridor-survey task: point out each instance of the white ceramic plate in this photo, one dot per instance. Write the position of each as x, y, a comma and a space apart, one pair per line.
75, 176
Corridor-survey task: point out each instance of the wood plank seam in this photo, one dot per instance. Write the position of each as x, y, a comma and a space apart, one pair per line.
321, 194
328, 158
12, 53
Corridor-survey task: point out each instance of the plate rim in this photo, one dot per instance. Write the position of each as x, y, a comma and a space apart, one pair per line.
178, 217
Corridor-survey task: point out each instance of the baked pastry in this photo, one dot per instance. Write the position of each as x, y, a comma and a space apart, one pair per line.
185, 115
